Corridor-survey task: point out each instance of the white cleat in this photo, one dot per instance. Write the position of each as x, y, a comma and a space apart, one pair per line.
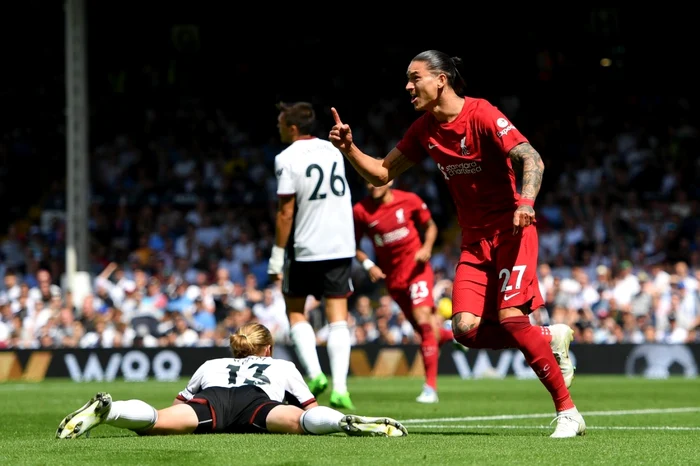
428, 395
359, 426
92, 414
569, 425
562, 336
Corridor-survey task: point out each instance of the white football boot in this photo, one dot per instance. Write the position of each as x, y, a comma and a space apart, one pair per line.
428, 395
80, 422
570, 424
562, 336
359, 426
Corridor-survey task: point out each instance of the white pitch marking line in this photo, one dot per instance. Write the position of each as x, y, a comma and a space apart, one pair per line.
442, 426
509, 417
19, 386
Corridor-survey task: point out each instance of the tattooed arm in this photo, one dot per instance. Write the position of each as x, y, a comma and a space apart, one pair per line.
533, 169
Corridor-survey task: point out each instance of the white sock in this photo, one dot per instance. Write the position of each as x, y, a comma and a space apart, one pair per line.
569, 411
338, 347
132, 415
304, 339
321, 420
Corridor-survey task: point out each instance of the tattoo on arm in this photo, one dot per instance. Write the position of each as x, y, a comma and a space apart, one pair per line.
533, 168
460, 324
396, 163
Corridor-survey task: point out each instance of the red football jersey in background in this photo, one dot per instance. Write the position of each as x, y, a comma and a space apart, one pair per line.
393, 230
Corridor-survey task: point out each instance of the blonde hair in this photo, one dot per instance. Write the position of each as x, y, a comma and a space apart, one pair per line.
250, 340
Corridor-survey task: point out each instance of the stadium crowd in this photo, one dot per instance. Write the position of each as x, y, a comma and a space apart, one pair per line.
181, 228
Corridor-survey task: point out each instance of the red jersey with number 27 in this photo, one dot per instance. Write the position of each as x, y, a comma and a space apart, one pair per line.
472, 154
393, 229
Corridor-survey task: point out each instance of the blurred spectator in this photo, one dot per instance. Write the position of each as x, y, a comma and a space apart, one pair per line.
182, 203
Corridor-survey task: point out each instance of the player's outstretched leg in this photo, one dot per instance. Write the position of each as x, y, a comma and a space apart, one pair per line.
135, 415
81, 421
322, 420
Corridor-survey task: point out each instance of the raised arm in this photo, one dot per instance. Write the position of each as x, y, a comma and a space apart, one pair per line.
376, 171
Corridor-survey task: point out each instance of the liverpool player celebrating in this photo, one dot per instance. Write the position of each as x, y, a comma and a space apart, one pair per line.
474, 146
390, 218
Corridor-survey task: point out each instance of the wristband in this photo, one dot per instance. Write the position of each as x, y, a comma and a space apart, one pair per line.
367, 264
276, 261
527, 202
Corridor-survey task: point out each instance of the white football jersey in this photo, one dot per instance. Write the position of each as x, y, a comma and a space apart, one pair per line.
274, 376
314, 171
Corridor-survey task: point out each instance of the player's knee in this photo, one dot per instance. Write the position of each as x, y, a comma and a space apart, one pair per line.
462, 322
514, 311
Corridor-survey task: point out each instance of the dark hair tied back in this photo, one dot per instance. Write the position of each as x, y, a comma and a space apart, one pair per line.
440, 62
459, 85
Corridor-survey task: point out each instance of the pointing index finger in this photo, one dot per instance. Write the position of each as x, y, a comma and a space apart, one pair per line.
336, 117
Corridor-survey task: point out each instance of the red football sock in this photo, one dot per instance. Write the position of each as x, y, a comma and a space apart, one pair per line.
545, 333
486, 335
446, 336
429, 350
539, 356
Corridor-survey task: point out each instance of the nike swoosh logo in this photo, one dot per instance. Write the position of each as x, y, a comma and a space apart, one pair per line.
373, 224
507, 297
432, 146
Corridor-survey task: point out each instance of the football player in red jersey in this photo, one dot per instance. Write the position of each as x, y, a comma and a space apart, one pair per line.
474, 145
391, 218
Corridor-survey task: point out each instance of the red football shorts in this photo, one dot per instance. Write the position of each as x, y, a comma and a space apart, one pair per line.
419, 292
498, 273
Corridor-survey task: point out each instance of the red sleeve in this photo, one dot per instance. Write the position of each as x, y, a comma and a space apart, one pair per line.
495, 127
410, 145
421, 213
357, 212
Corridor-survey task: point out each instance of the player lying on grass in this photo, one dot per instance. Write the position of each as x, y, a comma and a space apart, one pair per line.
243, 394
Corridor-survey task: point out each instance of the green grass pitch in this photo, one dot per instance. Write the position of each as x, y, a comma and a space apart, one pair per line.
481, 422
